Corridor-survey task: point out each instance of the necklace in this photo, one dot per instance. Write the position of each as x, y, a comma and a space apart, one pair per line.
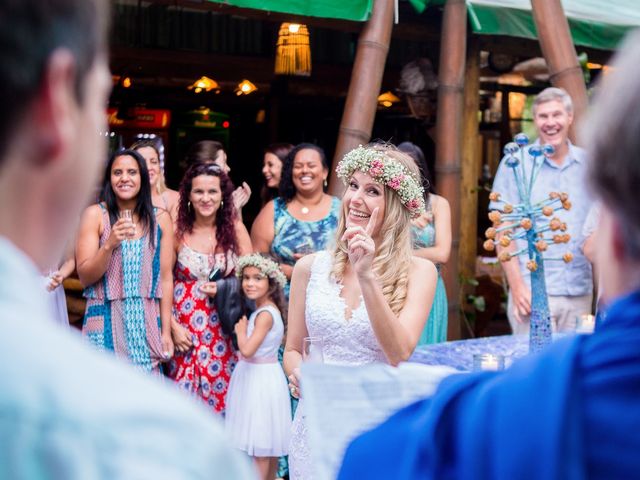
304, 209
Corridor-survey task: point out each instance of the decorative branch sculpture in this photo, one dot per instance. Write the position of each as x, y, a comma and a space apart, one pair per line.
533, 222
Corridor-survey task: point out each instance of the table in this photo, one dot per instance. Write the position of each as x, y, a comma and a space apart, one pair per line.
459, 354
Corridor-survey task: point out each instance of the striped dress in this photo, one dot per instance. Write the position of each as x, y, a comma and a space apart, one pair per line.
123, 307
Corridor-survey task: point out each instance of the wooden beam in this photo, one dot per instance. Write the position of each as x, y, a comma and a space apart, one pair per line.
560, 54
470, 164
449, 140
364, 87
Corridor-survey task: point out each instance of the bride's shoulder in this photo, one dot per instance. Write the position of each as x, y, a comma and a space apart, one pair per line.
422, 266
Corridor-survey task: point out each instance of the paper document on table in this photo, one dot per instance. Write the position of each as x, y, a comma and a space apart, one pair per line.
340, 402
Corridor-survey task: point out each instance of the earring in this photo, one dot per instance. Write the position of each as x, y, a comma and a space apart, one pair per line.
325, 182
221, 203
189, 205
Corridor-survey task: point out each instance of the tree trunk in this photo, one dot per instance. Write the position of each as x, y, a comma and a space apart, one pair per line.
560, 54
364, 88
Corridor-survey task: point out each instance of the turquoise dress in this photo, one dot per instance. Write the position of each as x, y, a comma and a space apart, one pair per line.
435, 330
293, 236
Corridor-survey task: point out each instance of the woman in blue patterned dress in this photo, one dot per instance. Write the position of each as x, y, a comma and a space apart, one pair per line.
431, 234
303, 219
125, 266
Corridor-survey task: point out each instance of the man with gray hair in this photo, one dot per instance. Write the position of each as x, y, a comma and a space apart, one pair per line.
66, 410
569, 286
571, 411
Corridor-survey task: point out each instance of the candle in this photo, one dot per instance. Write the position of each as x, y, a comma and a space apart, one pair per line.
585, 323
488, 362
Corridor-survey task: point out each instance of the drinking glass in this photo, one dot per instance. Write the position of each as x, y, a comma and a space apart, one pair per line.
585, 324
312, 350
305, 248
128, 216
487, 362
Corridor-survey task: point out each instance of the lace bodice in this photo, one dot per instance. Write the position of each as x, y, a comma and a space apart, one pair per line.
346, 341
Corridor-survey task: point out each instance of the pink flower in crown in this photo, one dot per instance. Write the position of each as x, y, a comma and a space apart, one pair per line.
413, 204
376, 169
395, 182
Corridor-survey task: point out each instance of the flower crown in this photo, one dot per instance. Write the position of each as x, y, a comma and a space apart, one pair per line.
385, 171
267, 266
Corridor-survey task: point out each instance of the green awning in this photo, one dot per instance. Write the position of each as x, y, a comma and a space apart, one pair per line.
356, 10
594, 23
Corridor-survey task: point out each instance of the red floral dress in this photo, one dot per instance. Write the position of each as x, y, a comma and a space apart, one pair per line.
206, 368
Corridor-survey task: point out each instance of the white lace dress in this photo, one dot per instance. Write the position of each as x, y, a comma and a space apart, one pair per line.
346, 341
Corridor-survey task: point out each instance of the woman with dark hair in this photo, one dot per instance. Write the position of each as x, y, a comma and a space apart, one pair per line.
431, 235
161, 196
274, 157
212, 151
209, 238
303, 219
124, 254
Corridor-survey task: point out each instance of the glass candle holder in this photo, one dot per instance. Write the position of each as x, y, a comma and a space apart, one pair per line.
487, 362
585, 323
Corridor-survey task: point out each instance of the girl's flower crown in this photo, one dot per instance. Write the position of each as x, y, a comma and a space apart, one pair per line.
267, 266
385, 171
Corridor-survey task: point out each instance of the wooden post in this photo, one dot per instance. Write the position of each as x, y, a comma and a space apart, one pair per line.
471, 150
560, 54
364, 88
449, 140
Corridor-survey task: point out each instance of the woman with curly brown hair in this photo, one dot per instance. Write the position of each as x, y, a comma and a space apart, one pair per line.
208, 237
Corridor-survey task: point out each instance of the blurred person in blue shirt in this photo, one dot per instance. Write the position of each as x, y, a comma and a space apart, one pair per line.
569, 286
571, 411
67, 411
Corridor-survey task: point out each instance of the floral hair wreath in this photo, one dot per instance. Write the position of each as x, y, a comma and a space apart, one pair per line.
267, 266
385, 171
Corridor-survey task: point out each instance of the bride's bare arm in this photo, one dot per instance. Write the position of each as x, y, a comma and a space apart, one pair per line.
296, 326
398, 334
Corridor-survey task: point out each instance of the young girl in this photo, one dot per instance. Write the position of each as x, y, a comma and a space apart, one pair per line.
258, 418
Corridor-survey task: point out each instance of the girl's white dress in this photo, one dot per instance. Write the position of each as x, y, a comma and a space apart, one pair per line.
345, 341
258, 416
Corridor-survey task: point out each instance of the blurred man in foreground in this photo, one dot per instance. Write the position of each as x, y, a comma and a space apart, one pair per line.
67, 411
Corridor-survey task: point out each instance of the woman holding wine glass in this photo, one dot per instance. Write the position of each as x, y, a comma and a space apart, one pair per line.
124, 258
370, 296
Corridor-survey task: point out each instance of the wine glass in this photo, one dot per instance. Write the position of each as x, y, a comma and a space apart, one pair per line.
312, 348
305, 247
128, 216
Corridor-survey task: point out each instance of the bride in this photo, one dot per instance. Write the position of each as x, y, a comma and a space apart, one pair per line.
369, 298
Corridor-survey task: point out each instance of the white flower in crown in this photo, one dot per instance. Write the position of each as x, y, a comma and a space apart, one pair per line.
385, 171
267, 266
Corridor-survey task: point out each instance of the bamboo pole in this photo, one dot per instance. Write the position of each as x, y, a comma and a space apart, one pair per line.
364, 87
449, 140
470, 164
560, 54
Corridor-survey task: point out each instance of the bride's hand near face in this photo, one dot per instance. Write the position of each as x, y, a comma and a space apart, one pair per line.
361, 246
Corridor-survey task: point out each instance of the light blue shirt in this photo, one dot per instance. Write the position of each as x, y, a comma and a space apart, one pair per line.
562, 279
68, 411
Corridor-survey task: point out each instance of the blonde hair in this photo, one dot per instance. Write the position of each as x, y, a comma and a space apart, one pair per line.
392, 259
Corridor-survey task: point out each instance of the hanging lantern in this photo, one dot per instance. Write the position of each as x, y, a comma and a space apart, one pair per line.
293, 53
387, 99
205, 84
245, 87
